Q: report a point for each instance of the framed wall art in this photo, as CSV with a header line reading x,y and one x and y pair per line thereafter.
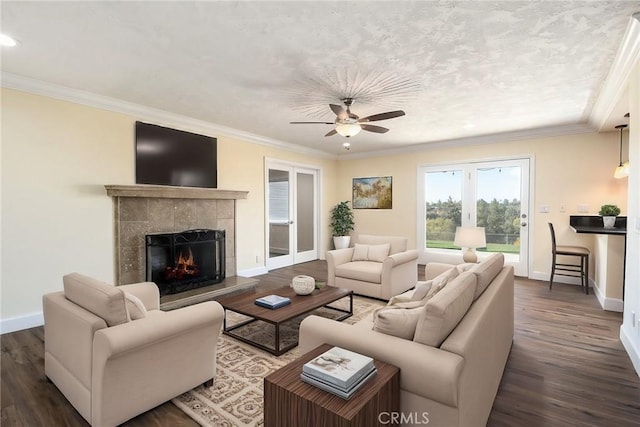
x,y
372,193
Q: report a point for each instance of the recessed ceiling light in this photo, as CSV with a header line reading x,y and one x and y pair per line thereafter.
x,y
5,40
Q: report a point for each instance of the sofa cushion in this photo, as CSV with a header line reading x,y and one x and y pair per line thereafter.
x,y
397,243
104,300
443,312
421,290
135,307
396,321
378,253
360,252
365,271
486,271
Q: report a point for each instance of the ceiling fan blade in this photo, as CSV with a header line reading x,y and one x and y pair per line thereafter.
x,y
374,128
332,132
382,116
340,112
311,123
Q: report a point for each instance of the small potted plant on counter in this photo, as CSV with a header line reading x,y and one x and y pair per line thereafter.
x,y
609,214
341,224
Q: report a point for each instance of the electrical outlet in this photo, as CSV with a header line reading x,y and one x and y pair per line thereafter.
x,y
543,209
257,259
583,208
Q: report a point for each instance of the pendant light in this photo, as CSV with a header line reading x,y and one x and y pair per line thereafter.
x,y
622,170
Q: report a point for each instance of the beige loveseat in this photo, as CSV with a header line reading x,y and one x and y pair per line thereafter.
x,y
453,383
376,266
114,354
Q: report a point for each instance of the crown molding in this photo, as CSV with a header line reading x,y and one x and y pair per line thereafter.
x,y
616,82
141,112
518,135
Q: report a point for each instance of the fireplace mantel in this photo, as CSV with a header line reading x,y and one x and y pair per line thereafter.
x,y
168,192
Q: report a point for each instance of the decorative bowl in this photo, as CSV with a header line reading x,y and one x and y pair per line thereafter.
x,y
303,285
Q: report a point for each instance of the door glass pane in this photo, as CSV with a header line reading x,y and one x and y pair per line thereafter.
x,y
304,210
278,213
443,195
498,207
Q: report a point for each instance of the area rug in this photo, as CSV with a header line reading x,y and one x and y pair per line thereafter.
x,y
235,399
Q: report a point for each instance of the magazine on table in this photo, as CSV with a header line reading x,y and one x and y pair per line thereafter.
x,y
340,367
272,301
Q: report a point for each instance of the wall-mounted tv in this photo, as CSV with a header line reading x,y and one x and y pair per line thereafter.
x,y
167,156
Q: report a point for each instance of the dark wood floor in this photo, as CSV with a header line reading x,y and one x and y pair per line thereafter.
x,y
567,367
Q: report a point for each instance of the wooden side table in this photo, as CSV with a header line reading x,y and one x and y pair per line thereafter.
x,y
288,401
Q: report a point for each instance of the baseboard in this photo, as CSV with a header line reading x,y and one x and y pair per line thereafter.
x,y
19,323
250,272
539,275
609,304
632,350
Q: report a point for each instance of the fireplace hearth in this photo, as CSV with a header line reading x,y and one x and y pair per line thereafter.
x,y
186,260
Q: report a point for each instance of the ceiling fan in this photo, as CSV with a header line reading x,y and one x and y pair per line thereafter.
x,y
349,124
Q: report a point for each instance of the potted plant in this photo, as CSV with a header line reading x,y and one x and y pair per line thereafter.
x,y
609,214
341,224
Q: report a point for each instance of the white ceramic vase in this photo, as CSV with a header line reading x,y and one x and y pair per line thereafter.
x,y
341,242
609,221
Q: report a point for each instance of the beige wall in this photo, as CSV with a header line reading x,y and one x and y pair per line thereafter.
x,y
56,217
568,170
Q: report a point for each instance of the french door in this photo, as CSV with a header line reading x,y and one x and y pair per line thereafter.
x,y
292,214
489,194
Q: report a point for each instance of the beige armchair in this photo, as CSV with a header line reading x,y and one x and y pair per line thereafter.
x,y
114,354
367,269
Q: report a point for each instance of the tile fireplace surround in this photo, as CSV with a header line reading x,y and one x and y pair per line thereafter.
x,y
143,209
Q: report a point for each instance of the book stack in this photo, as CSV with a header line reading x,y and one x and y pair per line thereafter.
x,y
339,371
272,301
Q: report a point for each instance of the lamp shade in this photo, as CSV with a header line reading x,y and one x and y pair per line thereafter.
x,y
470,237
348,129
622,171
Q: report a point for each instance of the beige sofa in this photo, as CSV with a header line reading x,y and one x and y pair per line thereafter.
x,y
454,383
114,354
367,269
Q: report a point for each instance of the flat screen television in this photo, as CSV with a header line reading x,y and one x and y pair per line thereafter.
x,y
167,156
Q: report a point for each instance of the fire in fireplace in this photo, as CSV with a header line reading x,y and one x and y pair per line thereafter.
x,y
178,262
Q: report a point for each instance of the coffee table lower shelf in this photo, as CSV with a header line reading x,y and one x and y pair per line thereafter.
x,y
288,401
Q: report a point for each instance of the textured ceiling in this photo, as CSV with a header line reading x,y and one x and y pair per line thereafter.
x,y
457,69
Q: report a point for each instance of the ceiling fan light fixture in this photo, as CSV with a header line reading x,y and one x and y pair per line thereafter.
x,y
348,129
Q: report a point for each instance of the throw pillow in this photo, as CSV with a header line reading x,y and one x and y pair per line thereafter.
x,y
421,290
378,253
360,252
399,322
135,307
445,310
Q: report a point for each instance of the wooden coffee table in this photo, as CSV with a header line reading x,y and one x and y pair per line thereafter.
x,y
288,401
300,304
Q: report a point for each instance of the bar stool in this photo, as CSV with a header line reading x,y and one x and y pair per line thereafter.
x,y
571,270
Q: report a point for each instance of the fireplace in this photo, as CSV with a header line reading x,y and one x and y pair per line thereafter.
x,y
186,260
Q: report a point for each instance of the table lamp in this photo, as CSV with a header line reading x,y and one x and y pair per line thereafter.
x,y
470,238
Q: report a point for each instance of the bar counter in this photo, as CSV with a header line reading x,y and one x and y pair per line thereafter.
x,y
609,257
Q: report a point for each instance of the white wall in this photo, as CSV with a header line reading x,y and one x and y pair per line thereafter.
x,y
56,217
630,330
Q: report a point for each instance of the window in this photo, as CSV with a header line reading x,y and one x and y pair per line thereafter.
x,y
489,194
